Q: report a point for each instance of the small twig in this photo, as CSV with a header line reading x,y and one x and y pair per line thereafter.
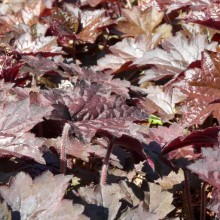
x,y
65,136
203,202
189,211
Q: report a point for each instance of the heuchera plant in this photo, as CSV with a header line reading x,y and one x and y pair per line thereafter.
x,y
109,109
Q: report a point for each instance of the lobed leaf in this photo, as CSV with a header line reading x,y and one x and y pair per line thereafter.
x,y
36,199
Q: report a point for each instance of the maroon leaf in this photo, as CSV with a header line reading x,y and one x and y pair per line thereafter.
x,y
203,88
207,15
128,142
172,5
87,129
11,71
207,137
92,107
62,22
38,199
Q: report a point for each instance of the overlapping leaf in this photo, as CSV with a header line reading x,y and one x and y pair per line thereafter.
x,y
37,199
40,65
26,45
21,115
207,15
165,100
118,86
93,22
203,88
142,22
207,137
92,107
86,111
127,51
22,145
172,5
177,54
151,206
11,71
164,135
20,12
207,167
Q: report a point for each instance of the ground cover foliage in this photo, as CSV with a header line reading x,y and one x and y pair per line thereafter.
x,y
109,109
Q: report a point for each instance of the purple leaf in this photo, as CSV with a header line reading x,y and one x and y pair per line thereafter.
x,y
207,168
40,65
163,135
38,199
177,54
21,116
21,145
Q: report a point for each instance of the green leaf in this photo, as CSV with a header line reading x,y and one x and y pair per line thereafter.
x,y
155,120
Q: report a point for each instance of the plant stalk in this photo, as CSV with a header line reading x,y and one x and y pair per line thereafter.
x,y
104,170
65,136
188,201
203,202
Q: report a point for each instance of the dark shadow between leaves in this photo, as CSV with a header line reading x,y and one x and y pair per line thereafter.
x,y
48,129
16,215
96,212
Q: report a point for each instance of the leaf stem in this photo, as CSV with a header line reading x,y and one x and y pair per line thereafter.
x,y
64,139
189,211
104,170
203,202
